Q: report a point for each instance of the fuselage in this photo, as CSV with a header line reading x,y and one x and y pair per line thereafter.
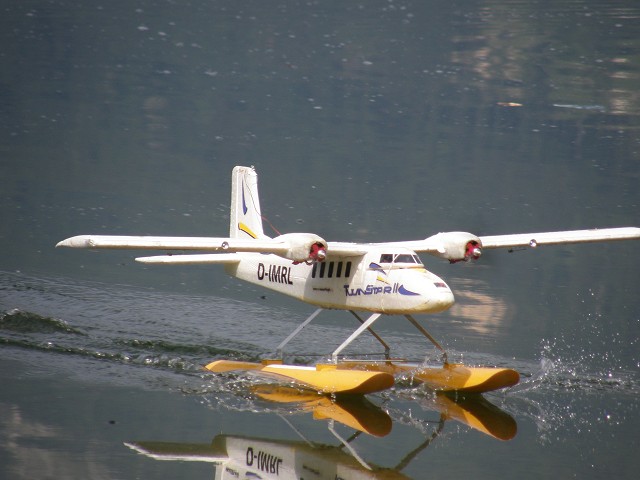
x,y
389,280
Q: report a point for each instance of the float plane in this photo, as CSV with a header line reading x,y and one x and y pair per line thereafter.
x,y
378,278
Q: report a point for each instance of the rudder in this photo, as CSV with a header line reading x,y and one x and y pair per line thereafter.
x,y
246,216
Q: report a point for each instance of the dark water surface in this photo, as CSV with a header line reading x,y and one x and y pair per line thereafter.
x,y
371,121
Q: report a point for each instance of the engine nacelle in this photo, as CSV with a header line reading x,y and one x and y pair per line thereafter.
x,y
456,246
304,247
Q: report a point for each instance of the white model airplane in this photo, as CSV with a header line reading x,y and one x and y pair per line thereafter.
x,y
380,278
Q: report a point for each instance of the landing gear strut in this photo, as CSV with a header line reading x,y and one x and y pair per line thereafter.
x,y
365,325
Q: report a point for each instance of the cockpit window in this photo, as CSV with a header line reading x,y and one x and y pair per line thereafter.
x,y
404,258
400,258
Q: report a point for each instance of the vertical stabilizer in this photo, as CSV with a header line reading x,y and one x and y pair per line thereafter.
x,y
246,216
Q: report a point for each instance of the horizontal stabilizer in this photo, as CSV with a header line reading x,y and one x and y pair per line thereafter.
x,y
207,258
191,452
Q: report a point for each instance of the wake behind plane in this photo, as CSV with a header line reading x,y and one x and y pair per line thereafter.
x,y
386,278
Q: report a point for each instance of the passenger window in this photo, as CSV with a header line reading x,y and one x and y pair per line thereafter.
x,y
333,268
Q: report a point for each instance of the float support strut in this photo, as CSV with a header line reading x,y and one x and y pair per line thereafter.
x,y
428,335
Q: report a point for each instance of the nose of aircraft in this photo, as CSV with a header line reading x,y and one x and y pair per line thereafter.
x,y
418,291
440,297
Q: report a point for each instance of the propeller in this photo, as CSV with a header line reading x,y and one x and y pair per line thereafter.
x,y
318,252
473,250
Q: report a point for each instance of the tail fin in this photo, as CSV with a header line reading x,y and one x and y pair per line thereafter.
x,y
246,216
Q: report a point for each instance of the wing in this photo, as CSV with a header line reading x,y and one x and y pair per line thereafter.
x,y
454,246
555,238
459,246
299,247
229,245
347,249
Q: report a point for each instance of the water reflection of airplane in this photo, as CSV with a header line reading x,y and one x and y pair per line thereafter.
x,y
240,457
